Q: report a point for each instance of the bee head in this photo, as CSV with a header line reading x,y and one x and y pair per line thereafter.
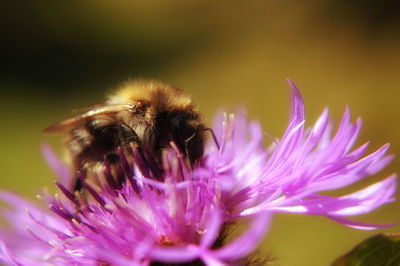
x,y
188,132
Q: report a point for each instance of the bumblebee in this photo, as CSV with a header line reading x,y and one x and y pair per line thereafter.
x,y
147,113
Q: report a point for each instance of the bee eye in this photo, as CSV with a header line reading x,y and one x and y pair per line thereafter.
x,y
182,125
179,124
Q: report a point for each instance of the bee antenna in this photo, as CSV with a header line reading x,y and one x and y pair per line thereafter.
x,y
213,135
189,138
187,149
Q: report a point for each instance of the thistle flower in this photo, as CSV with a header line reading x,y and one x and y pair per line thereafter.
x,y
180,217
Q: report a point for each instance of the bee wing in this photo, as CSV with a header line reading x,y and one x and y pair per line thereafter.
x,y
103,110
85,109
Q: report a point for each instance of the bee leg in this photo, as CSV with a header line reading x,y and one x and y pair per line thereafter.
x,y
78,185
129,135
213,135
79,167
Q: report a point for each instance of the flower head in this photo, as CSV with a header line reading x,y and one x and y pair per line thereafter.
x,y
176,214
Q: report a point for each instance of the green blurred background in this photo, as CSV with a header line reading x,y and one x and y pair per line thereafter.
x,y
58,56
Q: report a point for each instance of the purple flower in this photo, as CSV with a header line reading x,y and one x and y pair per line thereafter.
x,y
179,216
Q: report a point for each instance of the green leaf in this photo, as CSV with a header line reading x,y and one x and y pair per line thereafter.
x,y
382,249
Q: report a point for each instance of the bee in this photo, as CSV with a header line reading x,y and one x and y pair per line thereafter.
x,y
149,114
